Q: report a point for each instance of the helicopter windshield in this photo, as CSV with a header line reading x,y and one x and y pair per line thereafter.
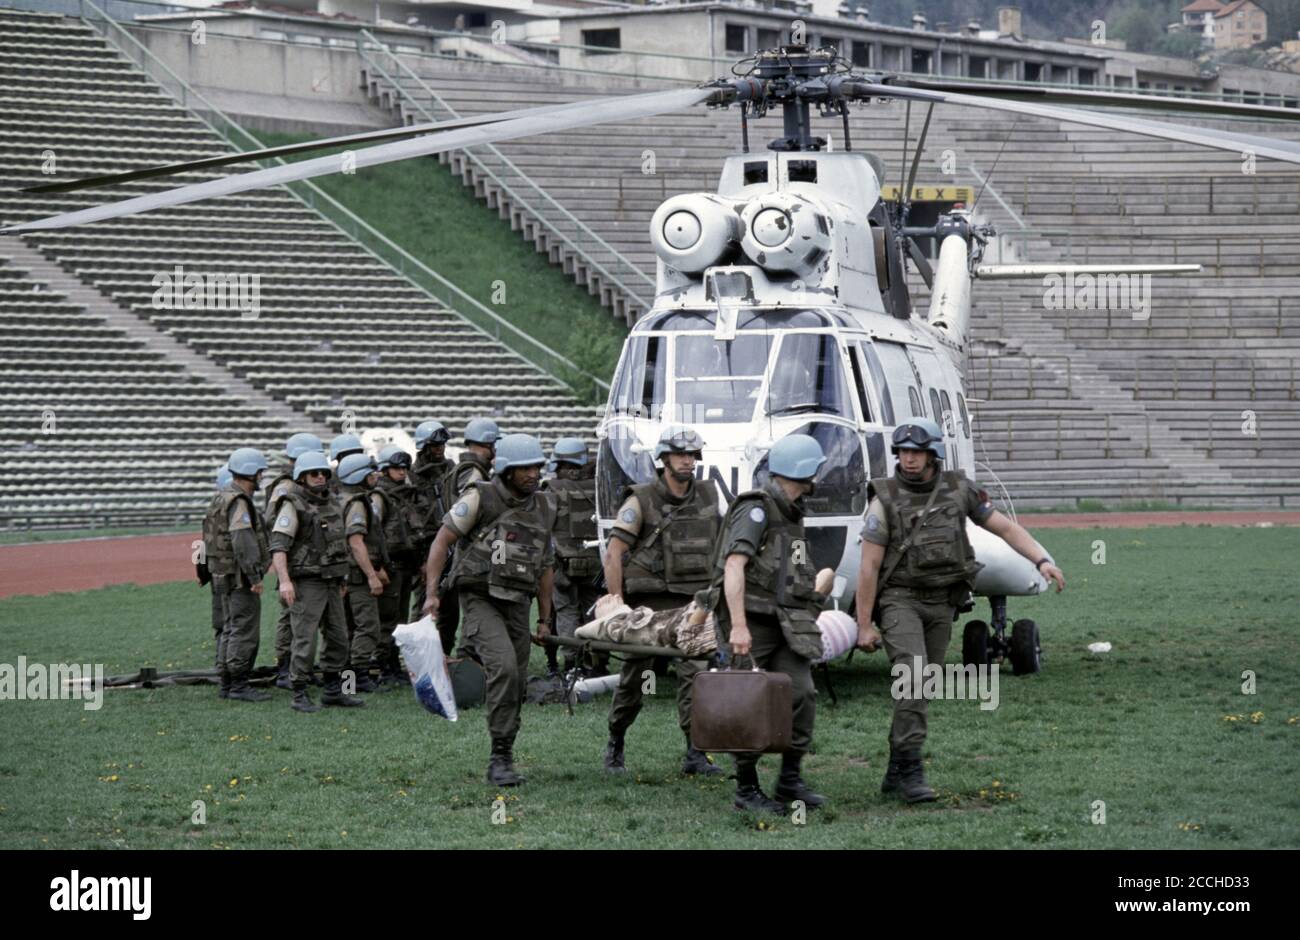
x,y
807,377
719,380
723,380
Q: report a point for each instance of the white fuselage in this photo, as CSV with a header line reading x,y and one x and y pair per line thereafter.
x,y
769,320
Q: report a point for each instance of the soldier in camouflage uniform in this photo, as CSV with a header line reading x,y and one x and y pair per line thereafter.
x,y
574,491
658,557
296,446
205,577
236,552
915,530
767,606
429,470
474,466
310,554
404,517
504,558
365,512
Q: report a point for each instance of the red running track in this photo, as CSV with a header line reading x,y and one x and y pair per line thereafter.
x,y
47,567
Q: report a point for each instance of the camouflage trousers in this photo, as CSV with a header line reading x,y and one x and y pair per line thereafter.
x,y
913,624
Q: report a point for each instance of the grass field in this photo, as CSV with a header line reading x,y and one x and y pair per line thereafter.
x,y
1145,728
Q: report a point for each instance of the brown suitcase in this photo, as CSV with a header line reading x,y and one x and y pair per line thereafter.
x,y
740,710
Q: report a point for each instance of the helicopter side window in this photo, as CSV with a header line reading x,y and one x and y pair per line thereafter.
x,y
878,379
808,377
900,379
965,418
936,411
719,380
860,383
643,377
948,414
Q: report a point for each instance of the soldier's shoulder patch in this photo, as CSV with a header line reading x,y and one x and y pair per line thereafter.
x,y
757,515
461,509
282,521
873,523
244,517
629,515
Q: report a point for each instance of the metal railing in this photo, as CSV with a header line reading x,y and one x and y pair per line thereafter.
x,y
515,185
374,242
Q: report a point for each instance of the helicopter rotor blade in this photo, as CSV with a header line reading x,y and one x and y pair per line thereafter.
x,y
1055,95
229,159
916,159
531,123
1284,150
919,259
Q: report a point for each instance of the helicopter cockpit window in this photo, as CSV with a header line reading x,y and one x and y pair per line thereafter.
x,y
807,377
717,380
642,382
782,320
841,483
878,379
755,172
621,464
678,320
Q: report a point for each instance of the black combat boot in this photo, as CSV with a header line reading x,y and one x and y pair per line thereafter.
x,y
363,680
748,794
223,689
334,694
501,766
388,670
614,753
697,763
301,699
241,691
790,786
282,680
911,783
893,776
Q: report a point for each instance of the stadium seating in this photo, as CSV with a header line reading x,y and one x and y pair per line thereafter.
x,y
339,335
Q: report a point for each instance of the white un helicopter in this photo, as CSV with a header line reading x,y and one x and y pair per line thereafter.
x,y
781,301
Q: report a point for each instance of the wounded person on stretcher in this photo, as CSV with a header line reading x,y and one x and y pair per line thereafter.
x,y
691,628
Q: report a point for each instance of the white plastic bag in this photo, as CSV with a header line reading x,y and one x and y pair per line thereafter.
x,y
422,650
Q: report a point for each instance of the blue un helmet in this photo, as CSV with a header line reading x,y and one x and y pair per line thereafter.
x,y
568,450
300,443
518,450
430,432
310,460
796,457
919,434
224,476
246,462
484,431
394,456
343,445
680,439
354,468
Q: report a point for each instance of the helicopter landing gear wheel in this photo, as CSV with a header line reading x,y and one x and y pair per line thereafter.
x,y
1026,652
975,644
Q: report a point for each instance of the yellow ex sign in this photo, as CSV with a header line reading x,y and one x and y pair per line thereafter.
x,y
932,194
